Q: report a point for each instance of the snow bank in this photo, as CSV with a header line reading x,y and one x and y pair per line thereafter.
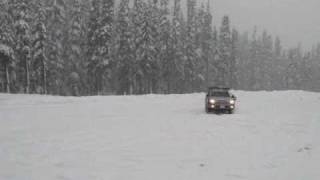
x,y
273,135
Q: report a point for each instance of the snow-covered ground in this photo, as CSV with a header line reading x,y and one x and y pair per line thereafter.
x,y
272,136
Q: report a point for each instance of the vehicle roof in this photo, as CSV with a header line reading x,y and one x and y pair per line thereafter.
x,y
218,88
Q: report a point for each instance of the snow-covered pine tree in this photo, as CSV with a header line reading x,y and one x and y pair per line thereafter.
x,y
92,44
293,76
6,25
175,69
215,38
266,61
206,39
241,55
190,48
56,32
147,48
6,47
103,63
261,57
253,63
199,23
164,47
125,53
225,47
277,47
136,19
75,35
99,43
200,62
234,59
278,70
214,61
23,41
74,48
39,50
306,72
315,62
6,58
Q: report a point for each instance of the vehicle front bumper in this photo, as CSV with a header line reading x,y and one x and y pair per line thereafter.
x,y
221,106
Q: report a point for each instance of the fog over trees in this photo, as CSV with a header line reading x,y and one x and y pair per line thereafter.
x,y
80,47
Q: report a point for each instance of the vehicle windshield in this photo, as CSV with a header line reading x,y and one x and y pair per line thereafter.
x,y
219,93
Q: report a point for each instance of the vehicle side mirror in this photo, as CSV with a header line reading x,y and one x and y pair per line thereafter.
x,y
234,97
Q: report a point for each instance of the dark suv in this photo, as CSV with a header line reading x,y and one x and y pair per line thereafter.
x,y
219,99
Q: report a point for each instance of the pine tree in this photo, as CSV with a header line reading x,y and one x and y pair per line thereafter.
x,y
147,49
7,60
225,47
267,58
6,25
315,66
293,76
75,35
190,47
277,47
164,47
125,54
105,34
175,70
214,60
234,58
206,40
39,54
199,24
100,41
105,29
243,60
93,44
56,26
200,60
137,19
23,40
6,57
74,50
254,58
215,38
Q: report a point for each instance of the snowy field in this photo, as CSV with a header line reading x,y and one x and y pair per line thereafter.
x,y
272,136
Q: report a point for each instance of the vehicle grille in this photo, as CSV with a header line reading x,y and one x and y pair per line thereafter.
x,y
223,102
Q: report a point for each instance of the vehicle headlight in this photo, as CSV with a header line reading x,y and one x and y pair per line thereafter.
x,y
232,101
212,101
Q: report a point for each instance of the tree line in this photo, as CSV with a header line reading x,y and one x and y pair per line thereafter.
x,y
79,47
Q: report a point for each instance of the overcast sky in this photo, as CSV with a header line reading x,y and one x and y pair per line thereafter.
x,y
292,20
